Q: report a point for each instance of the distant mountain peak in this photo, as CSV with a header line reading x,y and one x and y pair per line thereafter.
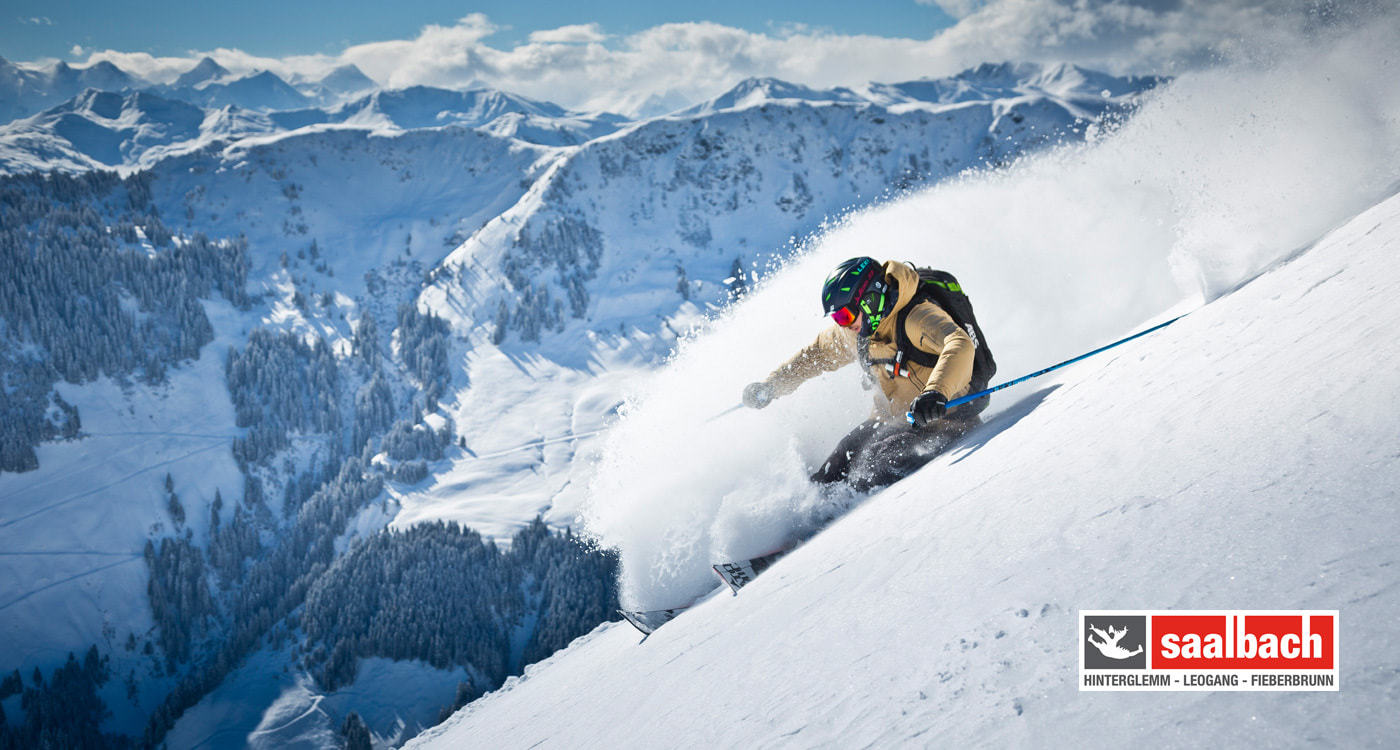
x,y
205,70
758,90
348,78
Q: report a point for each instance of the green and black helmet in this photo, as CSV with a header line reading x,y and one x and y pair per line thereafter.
x,y
857,286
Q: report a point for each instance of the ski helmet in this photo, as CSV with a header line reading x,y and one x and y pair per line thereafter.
x,y
856,286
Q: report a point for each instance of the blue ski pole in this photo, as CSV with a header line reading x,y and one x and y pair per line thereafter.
x,y
974,396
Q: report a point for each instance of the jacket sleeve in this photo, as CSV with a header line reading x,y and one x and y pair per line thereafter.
x,y
932,330
832,350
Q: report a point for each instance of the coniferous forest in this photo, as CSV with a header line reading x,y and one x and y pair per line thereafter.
x,y
97,285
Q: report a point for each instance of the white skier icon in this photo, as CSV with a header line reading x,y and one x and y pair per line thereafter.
x,y
1108,643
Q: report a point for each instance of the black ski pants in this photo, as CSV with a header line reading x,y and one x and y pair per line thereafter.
x,y
876,453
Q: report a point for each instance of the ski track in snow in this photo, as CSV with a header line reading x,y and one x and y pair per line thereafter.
x,y
88,493
108,457
70,553
69,579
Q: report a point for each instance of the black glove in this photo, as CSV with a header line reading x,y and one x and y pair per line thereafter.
x,y
929,406
758,395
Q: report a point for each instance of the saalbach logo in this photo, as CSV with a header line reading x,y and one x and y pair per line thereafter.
x,y
1209,650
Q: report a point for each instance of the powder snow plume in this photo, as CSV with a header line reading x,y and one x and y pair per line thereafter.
x,y
1219,176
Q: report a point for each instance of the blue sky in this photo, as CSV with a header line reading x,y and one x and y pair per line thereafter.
x,y
37,29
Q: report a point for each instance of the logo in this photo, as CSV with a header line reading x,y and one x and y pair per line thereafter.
x,y
972,334
1115,642
1208,650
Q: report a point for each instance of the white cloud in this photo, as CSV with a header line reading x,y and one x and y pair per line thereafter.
x,y
956,8
37,21
680,63
77,51
575,34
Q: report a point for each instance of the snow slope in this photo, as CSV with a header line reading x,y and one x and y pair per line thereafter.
x,y
72,531
1245,457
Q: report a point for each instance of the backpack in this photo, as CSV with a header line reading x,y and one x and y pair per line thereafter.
x,y
942,289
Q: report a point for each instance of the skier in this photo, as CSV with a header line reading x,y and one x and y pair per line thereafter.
x,y
933,359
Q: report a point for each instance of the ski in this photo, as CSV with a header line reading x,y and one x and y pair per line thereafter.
x,y
739,573
648,621
734,575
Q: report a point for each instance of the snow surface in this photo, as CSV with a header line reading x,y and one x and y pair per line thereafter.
x,y
292,712
1245,457
72,531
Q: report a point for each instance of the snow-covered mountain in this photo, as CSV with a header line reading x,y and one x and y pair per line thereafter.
x,y
341,84
756,91
1066,83
100,130
205,71
262,103
105,130
262,91
25,90
427,107
1007,79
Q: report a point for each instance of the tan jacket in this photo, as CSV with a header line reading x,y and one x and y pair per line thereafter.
x,y
928,328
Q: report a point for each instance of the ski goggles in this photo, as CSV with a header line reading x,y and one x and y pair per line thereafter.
x,y
843,316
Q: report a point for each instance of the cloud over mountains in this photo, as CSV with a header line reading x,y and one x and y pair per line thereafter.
x,y
674,64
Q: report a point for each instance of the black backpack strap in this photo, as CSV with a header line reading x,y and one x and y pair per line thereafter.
x,y
904,348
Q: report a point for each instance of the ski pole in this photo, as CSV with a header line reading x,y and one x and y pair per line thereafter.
x,y
731,409
539,444
974,396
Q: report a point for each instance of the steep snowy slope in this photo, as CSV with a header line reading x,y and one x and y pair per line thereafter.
x,y
1246,457
368,200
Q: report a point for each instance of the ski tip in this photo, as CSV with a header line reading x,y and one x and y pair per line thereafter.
x,y
733,590
648,621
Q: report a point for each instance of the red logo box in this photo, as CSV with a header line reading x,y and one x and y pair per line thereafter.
x,y
1243,641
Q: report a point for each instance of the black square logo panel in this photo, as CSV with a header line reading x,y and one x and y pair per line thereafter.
x,y
1115,642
